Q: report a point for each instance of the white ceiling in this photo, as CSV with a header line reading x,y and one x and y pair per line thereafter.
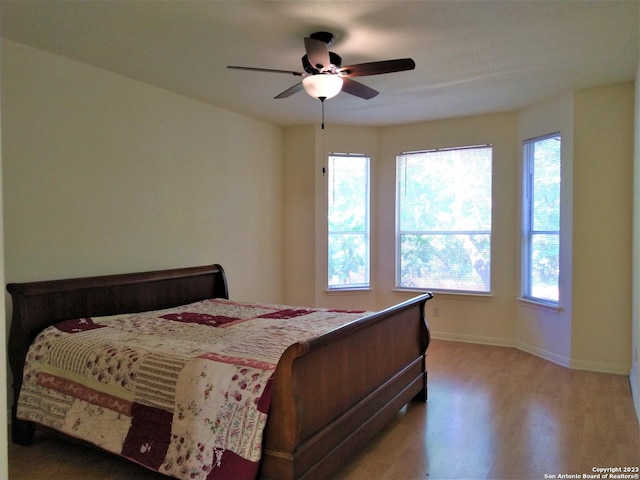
x,y
472,57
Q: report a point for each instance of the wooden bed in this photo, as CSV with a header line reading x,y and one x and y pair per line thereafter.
x,y
330,394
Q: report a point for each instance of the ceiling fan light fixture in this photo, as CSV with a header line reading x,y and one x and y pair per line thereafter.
x,y
322,86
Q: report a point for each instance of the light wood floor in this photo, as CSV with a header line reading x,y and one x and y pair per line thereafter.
x,y
493,413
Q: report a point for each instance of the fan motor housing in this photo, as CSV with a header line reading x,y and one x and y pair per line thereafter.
x,y
326,37
336,61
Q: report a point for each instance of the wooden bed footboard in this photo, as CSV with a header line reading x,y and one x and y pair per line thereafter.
x,y
334,392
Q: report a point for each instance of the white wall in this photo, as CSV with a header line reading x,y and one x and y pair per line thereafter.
x,y
103,175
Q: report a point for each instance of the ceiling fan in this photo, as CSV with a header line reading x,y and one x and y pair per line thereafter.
x,y
324,76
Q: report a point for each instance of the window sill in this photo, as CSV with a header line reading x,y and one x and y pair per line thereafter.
x,y
349,291
548,307
447,294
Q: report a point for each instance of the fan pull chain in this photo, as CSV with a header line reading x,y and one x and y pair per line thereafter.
x,y
322,99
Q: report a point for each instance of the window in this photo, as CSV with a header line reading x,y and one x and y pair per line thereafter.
x,y
541,219
444,219
348,213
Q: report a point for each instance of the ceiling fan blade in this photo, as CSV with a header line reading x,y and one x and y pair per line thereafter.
x,y
376,68
290,91
317,53
271,70
358,89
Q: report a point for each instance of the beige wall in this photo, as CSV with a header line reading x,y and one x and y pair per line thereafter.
x,y
592,328
4,434
635,294
103,174
546,332
602,230
299,223
305,211
471,318
342,139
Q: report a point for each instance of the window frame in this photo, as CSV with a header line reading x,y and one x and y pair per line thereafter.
x,y
366,232
528,214
400,232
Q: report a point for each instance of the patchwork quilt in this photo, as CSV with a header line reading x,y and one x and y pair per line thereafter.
x,y
183,391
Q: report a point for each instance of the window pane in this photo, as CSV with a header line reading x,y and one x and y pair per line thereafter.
x,y
546,185
444,219
447,262
448,190
348,260
348,193
348,221
545,269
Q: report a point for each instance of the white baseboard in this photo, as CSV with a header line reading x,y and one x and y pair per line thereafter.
x,y
635,390
540,352
601,367
457,337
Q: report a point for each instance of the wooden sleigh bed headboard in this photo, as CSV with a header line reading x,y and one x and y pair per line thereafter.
x,y
331,394
37,305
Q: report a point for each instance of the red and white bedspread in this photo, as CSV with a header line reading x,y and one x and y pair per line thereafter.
x,y
183,391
